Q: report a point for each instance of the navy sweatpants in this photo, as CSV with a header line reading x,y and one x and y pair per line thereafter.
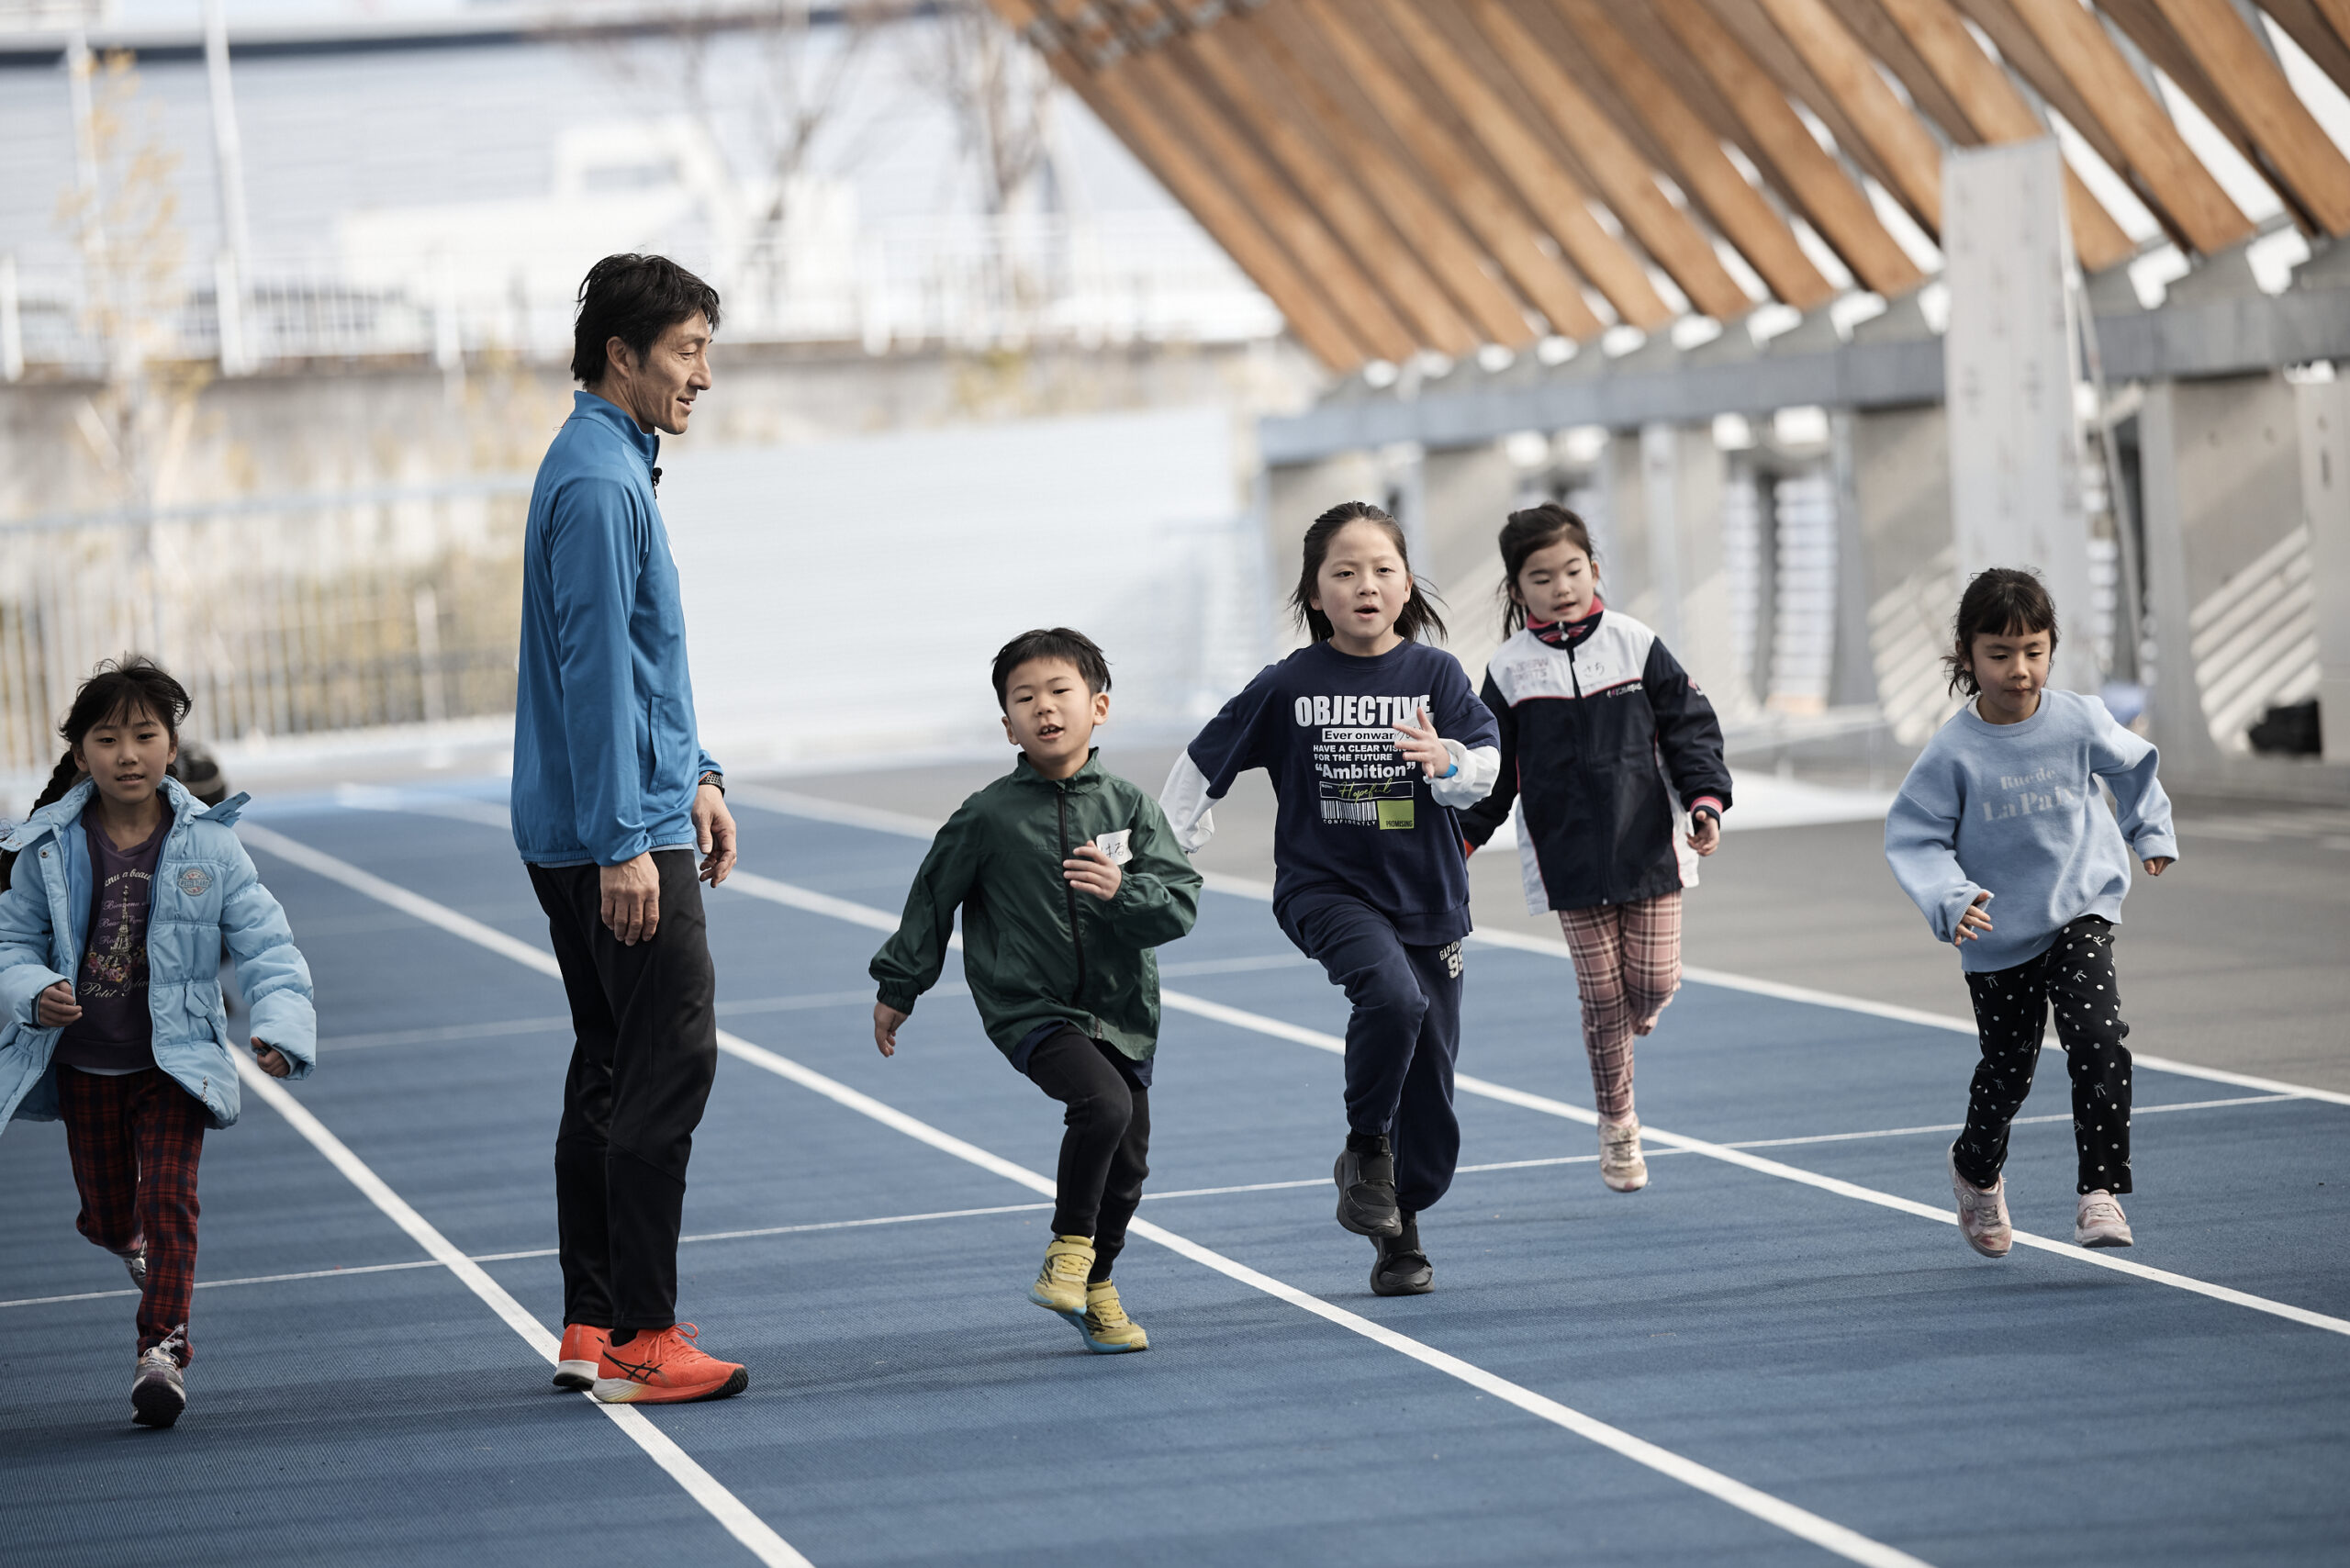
x,y
1403,1038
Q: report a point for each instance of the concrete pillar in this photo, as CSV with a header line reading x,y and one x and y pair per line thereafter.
x,y
1853,678
1906,577
1666,565
1466,494
2227,557
2009,360
2324,429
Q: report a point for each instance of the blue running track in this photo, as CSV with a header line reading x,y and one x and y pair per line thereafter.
x,y
1780,1352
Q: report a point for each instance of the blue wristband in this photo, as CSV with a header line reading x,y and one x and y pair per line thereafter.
x,y
1450,771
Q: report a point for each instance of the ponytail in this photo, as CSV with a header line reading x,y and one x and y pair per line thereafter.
x,y
67,772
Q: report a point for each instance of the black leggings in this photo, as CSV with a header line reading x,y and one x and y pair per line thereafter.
x,y
1104,1154
2012,1011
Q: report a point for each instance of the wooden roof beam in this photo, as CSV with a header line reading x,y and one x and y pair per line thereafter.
x,y
1158,77
1699,164
2305,23
2000,113
1250,83
1169,156
2096,89
1903,146
1837,206
2296,150
1297,53
1548,190
1624,177
1504,229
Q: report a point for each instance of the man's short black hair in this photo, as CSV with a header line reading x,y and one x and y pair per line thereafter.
x,y
635,300
1051,643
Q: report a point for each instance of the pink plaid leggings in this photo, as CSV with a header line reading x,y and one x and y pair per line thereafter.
x,y
1628,965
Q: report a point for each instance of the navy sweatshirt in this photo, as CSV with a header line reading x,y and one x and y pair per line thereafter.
x,y
1357,817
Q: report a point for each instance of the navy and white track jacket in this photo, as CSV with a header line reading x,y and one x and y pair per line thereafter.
x,y
1606,744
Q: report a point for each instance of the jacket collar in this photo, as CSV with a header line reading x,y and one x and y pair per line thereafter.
x,y
1025,772
61,815
646,444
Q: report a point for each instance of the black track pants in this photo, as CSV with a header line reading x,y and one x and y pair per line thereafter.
x,y
1401,1040
641,1071
2012,1006
1106,1152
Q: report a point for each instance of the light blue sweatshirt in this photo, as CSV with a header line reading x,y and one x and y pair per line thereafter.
x,y
606,755
2014,808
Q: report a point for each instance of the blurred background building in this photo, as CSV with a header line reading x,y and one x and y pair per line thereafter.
x,y
1080,311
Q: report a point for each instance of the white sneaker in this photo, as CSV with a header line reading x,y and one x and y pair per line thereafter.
x,y
1982,1214
134,1264
159,1391
2099,1222
1621,1165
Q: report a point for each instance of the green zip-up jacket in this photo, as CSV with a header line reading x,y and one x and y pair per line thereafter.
x,y
1035,950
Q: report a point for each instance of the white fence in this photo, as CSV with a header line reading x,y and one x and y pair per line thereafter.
x,y
967,283
282,618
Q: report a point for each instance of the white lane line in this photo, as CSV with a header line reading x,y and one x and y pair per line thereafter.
x,y
1183,1001
732,1513
1777,1512
560,1023
787,803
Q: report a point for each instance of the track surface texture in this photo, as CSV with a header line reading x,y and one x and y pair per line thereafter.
x,y
1779,1352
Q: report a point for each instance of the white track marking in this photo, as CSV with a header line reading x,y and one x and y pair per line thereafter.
x,y
729,1510
1800,1522
1240,1018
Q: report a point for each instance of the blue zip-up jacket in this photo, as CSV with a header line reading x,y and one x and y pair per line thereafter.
x,y
206,891
606,756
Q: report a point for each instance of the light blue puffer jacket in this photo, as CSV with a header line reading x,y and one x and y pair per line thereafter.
x,y
206,891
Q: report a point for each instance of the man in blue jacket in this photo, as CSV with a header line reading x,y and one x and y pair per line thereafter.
x,y
613,797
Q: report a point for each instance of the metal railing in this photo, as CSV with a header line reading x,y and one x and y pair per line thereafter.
x,y
963,283
282,618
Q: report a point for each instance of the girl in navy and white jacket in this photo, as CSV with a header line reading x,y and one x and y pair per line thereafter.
x,y
1372,741
1613,759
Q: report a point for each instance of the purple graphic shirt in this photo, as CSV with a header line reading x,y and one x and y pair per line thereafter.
x,y
116,1032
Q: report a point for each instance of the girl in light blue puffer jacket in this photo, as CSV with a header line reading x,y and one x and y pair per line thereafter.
x,y
119,892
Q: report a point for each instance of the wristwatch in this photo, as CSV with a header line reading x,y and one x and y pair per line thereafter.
x,y
715,779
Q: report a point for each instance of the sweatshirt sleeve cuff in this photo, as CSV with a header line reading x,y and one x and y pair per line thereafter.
x,y
1706,804
896,999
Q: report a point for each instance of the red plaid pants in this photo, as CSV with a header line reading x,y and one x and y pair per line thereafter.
x,y
1628,965
136,1140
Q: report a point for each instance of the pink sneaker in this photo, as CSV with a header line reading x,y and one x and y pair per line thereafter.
x,y
2097,1221
1982,1213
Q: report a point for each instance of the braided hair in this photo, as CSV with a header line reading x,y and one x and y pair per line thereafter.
x,y
117,690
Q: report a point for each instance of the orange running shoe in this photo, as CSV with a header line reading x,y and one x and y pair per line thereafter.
x,y
583,1347
663,1366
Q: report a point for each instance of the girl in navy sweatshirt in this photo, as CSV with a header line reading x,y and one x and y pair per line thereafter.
x,y
1372,741
1614,760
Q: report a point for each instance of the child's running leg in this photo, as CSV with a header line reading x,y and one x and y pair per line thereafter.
x,y
167,1130
2010,1017
1122,1186
1651,932
96,1113
1359,950
1427,1138
2086,1000
1596,942
1100,1110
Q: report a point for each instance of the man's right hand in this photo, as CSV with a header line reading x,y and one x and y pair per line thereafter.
x,y
631,899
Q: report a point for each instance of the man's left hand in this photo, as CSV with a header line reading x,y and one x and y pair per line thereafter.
x,y
714,833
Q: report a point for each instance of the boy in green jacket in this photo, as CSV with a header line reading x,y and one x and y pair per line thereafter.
x,y
1067,877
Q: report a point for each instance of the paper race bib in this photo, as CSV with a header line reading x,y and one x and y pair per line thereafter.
x,y
1113,845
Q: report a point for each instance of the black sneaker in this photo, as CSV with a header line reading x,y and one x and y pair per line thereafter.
x,y
1401,1269
1366,1179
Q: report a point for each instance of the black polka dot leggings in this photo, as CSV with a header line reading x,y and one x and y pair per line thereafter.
x,y
2011,1007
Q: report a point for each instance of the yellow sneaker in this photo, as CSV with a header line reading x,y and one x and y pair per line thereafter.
x,y
1060,1287
1107,1329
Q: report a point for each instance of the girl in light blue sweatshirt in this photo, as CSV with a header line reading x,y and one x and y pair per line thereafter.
x,y
2005,802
